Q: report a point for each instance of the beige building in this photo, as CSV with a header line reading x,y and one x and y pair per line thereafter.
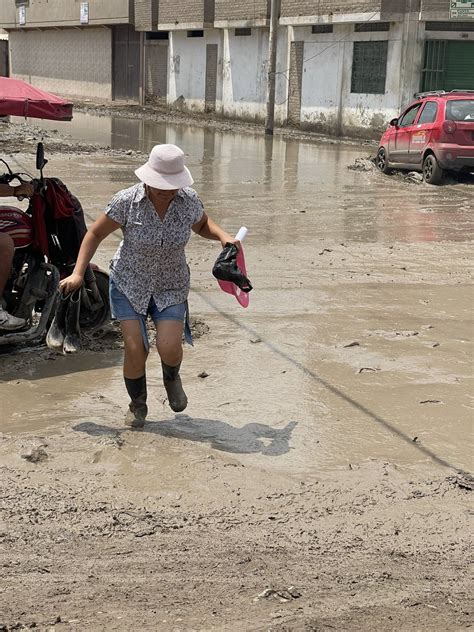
x,y
87,49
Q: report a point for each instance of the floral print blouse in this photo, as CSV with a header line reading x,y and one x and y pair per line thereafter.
x,y
150,261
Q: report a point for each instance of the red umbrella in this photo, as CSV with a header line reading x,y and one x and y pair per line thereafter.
x,y
18,98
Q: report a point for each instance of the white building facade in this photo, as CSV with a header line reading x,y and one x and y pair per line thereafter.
x,y
344,67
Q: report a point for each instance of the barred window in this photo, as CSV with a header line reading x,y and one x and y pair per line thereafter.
x,y
449,26
322,28
369,67
157,35
242,32
370,27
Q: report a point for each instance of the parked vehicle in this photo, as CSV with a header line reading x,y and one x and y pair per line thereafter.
x,y
434,134
47,237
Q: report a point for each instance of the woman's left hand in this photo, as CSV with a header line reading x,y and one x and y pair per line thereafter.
x,y
231,240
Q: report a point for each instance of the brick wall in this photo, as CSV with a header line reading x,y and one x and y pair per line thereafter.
x,y
435,5
186,11
146,15
211,78
295,83
67,61
296,8
434,9
387,8
242,9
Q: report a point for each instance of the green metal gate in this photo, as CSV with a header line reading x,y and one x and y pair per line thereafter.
x,y
448,65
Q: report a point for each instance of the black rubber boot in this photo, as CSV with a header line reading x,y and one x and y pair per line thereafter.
x,y
176,396
57,331
138,410
72,339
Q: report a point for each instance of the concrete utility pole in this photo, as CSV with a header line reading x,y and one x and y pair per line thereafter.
x,y
271,78
142,87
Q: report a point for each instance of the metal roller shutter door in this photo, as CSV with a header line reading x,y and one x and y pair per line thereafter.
x,y
459,66
448,66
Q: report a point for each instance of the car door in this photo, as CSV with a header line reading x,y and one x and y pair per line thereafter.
x,y
422,131
401,150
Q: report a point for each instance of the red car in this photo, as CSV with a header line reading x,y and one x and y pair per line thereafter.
x,y
433,134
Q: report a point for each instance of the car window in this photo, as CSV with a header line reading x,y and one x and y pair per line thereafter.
x,y
429,113
409,117
460,110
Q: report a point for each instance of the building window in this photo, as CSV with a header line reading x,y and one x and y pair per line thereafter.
x,y
242,32
322,28
369,67
449,26
157,35
429,113
370,27
195,33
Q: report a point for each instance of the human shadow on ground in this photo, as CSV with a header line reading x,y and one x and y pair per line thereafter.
x,y
252,438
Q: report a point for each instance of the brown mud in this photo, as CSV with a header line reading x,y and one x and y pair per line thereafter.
x,y
319,478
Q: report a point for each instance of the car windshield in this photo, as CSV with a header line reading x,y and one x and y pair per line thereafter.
x,y
460,110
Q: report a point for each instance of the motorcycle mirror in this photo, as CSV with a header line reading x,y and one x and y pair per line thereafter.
x,y
7,166
40,160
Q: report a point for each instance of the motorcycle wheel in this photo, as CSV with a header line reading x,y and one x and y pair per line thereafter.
x,y
91,321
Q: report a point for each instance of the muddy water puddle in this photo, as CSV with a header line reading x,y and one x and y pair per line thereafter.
x,y
357,344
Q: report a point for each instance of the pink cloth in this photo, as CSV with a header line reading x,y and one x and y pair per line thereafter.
x,y
229,287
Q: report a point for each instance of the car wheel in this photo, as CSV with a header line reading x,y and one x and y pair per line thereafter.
x,y
432,172
382,161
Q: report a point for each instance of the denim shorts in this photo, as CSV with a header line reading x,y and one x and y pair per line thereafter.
x,y
122,309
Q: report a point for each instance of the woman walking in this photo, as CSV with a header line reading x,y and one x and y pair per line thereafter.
x,y
149,275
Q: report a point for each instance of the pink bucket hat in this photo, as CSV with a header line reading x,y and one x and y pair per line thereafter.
x,y
165,169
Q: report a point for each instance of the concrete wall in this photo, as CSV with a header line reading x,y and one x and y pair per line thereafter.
x,y
67,61
327,104
56,13
7,14
244,74
241,73
187,69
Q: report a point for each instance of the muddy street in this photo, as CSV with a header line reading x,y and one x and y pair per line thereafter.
x,y
320,476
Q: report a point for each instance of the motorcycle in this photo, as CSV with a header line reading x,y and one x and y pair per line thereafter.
x,y
47,237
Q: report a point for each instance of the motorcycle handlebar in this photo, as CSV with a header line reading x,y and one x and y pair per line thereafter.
x,y
7,178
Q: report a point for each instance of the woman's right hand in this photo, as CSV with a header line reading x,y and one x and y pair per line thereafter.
x,y
71,283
